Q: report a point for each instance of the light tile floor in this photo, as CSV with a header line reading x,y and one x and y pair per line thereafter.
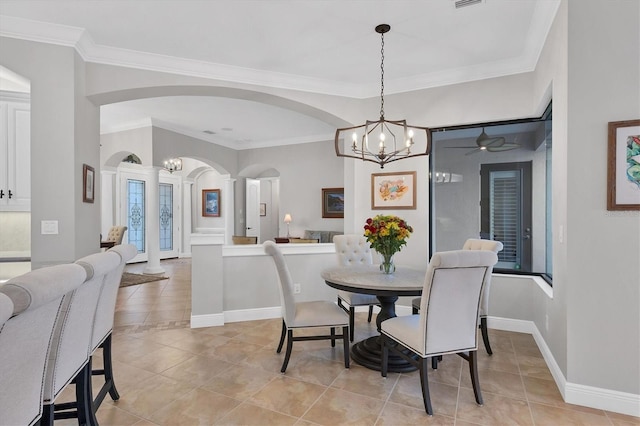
x,y
170,374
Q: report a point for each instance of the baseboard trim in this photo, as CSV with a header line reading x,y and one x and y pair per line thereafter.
x,y
572,393
604,399
252,314
207,320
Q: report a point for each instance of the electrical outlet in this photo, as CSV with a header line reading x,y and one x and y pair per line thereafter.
x,y
296,288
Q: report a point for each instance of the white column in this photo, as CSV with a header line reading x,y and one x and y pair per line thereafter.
x,y
153,223
187,188
228,208
107,200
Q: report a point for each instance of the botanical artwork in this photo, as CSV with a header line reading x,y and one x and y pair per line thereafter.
x,y
624,165
633,160
395,190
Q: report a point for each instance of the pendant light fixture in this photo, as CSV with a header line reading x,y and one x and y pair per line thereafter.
x,y
383,141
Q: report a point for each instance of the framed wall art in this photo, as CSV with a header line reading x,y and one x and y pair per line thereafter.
x,y
263,209
333,203
211,202
88,183
623,177
393,191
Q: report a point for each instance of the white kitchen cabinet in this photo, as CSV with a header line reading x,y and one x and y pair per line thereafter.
x,y
15,152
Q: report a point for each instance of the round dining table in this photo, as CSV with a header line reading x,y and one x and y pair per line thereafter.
x,y
387,288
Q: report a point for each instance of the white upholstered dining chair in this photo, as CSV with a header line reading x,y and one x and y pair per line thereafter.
x,y
305,315
354,250
448,317
35,300
475,244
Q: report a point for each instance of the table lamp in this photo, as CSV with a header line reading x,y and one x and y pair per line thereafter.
x,y
287,220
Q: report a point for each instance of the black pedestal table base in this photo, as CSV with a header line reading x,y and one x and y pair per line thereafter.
x,y
368,352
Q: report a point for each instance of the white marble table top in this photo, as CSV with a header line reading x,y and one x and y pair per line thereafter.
x,y
368,279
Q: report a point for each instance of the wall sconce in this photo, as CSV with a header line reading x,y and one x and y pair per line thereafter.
x,y
287,220
173,165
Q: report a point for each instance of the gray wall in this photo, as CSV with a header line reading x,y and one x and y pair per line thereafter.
x,y
64,135
603,248
304,170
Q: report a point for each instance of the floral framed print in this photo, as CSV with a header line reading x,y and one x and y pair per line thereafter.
x,y
263,209
88,183
623,174
393,191
333,203
211,202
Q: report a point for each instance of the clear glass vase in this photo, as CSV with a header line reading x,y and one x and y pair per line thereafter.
x,y
387,266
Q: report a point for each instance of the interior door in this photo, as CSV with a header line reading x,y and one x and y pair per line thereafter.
x,y
252,208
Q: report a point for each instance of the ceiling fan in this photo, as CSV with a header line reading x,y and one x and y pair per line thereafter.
x,y
485,142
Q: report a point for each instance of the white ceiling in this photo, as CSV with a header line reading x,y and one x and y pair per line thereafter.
x,y
322,46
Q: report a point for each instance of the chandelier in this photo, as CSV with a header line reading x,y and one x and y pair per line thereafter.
x,y
392,140
173,165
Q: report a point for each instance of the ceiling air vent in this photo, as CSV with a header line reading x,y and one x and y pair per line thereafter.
x,y
463,3
209,132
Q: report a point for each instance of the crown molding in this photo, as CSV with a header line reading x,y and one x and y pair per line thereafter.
x,y
79,39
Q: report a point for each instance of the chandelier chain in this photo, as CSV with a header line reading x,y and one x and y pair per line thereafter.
x,y
382,76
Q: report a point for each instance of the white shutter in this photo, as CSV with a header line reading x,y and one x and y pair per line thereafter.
x,y
504,201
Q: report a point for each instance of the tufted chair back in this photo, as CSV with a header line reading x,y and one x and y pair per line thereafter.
x,y
352,250
490,245
116,233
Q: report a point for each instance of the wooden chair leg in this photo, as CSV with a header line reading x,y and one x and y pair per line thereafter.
x,y
352,316
288,354
473,370
108,369
370,315
424,382
485,335
282,335
333,337
345,342
47,415
86,416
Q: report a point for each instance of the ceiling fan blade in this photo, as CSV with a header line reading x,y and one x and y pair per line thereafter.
x,y
485,140
473,151
504,147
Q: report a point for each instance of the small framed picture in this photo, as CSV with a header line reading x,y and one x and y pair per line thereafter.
x,y
263,209
88,183
211,202
333,203
623,177
393,191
